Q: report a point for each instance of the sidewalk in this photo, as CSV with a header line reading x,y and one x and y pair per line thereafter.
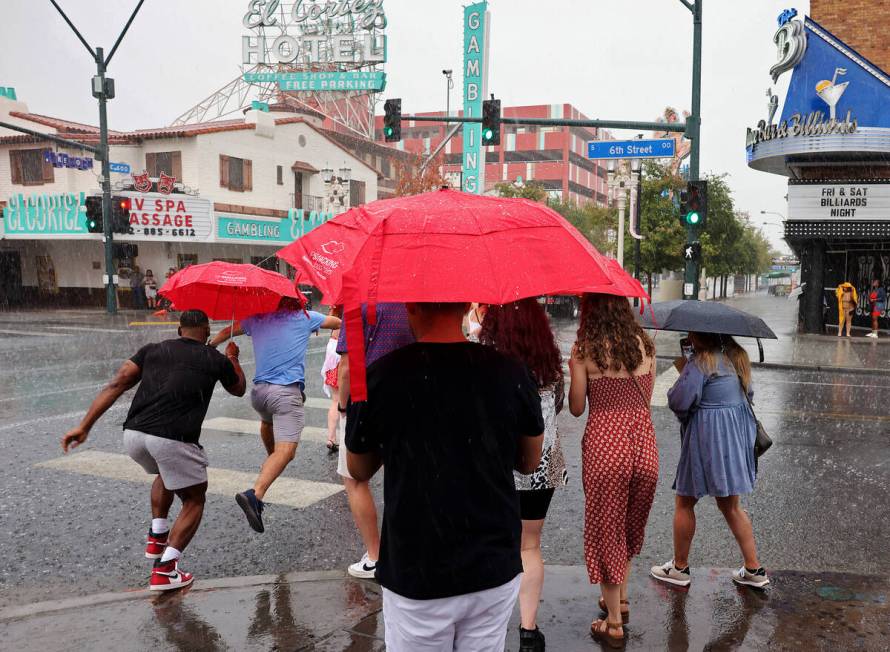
x,y
327,611
793,349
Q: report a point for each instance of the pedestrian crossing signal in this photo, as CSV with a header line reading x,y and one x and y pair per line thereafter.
x,y
392,120
94,215
692,251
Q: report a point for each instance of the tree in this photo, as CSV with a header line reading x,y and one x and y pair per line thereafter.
x,y
592,221
413,181
663,235
533,190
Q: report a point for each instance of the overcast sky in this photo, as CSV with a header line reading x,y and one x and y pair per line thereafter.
x,y
613,60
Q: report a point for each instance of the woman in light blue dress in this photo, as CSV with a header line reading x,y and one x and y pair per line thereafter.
x,y
716,452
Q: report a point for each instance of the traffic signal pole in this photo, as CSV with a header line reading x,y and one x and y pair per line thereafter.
x,y
101,88
108,236
691,277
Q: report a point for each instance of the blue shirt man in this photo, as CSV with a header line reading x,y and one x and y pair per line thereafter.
x,y
280,340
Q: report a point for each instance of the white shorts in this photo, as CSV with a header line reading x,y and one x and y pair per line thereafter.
x,y
342,469
473,622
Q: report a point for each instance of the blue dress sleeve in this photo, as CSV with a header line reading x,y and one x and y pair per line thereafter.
x,y
686,393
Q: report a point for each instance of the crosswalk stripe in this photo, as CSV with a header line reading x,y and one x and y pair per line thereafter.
x,y
315,402
663,383
30,333
252,427
90,329
292,492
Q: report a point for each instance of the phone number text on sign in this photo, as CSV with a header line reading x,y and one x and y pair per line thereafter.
x,y
168,218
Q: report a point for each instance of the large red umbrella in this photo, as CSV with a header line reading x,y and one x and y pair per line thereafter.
x,y
228,290
447,246
443,246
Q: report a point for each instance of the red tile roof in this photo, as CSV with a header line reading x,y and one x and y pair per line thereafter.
x,y
90,134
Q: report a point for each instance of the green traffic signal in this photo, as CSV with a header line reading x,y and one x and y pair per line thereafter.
x,y
487,135
692,218
387,131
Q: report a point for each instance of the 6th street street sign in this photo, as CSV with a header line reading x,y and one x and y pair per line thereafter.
x,y
651,148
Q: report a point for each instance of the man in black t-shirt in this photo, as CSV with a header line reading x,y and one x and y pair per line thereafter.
x,y
176,380
449,420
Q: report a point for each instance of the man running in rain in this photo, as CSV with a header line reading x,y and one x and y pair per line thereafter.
x,y
280,340
176,380
450,420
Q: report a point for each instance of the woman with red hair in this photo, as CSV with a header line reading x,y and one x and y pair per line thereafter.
x,y
522,330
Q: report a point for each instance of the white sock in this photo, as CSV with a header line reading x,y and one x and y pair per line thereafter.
x,y
170,553
159,525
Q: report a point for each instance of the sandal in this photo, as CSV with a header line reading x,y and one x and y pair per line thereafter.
x,y
625,609
604,634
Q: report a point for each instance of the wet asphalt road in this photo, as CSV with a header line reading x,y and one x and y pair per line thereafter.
x,y
821,502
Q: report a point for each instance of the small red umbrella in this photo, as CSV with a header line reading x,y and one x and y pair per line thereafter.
x,y
228,290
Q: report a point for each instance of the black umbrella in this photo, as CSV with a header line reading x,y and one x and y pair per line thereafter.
x,y
705,317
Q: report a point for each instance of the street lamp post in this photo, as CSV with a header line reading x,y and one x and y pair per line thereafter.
x,y
620,178
449,84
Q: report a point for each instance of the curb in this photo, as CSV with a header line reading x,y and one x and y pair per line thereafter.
x,y
64,604
786,366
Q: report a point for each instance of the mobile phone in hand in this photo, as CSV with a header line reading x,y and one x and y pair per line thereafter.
x,y
686,348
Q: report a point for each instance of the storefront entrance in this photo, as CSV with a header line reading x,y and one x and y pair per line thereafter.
x,y
858,264
10,279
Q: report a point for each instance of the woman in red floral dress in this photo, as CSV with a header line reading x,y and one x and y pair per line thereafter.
x,y
612,368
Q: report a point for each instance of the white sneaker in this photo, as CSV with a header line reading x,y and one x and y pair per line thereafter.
x,y
757,579
671,574
871,334
364,568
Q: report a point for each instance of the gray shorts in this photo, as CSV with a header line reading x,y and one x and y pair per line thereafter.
x,y
180,464
282,406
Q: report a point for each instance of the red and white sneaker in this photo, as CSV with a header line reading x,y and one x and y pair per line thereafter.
x,y
166,576
155,545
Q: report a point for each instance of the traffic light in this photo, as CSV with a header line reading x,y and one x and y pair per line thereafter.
x,y
120,214
94,215
491,122
692,251
695,210
392,120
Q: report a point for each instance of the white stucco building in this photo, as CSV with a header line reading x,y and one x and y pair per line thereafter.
x,y
243,189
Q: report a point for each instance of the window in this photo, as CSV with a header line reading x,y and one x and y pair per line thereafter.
x,y
170,163
356,192
269,262
279,171
29,167
235,173
234,261
186,260
385,166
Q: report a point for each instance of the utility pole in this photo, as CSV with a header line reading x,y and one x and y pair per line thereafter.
x,y
693,132
103,90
